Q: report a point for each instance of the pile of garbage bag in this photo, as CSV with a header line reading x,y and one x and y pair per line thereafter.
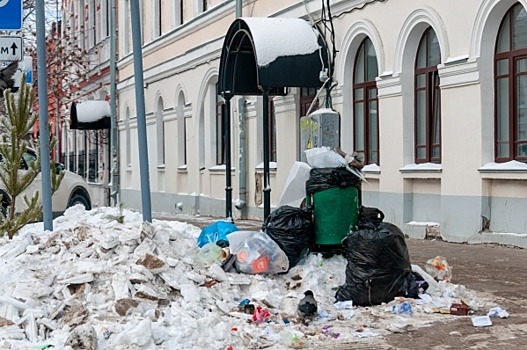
x,y
291,229
378,268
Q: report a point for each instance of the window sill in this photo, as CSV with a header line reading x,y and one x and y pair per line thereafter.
x,y
422,171
182,168
161,168
371,171
512,170
129,168
272,166
219,168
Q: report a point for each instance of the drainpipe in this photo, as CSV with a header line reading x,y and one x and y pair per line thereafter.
x,y
241,203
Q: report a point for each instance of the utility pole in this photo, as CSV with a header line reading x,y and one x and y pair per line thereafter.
x,y
140,108
114,160
43,115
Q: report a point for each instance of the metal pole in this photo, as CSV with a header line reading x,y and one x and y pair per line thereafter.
x,y
228,180
58,139
43,115
267,186
239,8
140,107
114,160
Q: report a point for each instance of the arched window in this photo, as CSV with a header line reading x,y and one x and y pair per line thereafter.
x,y
181,130
128,145
427,100
510,74
160,133
220,130
365,106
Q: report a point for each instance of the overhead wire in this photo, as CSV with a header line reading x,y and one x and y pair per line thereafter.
x,y
328,29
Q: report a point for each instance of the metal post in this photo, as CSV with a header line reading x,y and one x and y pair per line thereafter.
x,y
114,159
227,135
239,8
140,107
266,184
56,98
43,115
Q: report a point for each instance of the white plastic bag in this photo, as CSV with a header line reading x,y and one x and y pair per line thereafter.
x,y
324,157
295,186
257,253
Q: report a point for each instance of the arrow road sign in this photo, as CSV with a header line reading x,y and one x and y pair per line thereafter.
x,y
11,48
10,14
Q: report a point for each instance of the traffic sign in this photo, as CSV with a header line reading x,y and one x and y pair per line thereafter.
x,y
11,48
11,12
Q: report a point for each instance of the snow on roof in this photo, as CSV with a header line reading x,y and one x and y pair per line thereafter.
x,y
271,43
92,110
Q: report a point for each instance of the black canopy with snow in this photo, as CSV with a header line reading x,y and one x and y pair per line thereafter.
x,y
264,56
90,115
271,53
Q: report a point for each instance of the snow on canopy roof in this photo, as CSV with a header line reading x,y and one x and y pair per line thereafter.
x,y
271,43
90,115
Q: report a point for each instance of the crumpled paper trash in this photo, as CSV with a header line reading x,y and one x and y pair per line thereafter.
x,y
498,312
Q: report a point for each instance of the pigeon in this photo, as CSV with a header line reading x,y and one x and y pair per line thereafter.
x,y
6,77
307,307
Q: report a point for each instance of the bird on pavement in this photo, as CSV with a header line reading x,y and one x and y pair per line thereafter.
x,y
307,307
6,77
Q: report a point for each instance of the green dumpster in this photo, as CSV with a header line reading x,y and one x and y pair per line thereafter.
x,y
335,195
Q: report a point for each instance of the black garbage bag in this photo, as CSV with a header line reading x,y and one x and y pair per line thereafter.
x,y
321,179
291,229
378,266
369,217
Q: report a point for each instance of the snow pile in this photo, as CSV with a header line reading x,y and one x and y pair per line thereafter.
x,y
103,279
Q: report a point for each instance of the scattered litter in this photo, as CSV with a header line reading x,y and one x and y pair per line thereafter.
x,y
439,269
498,312
209,254
260,315
481,321
141,285
328,332
398,328
402,308
257,253
346,308
216,233
459,309
366,333
292,339
344,305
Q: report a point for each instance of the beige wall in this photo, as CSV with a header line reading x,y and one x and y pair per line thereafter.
x,y
187,58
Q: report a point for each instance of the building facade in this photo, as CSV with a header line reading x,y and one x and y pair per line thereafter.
x,y
433,94
84,62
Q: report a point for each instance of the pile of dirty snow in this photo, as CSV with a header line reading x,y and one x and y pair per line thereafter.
x,y
104,279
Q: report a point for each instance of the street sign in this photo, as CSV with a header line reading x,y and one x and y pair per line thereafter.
x,y
11,14
11,48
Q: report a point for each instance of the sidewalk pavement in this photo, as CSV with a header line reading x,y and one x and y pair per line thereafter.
x,y
496,270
